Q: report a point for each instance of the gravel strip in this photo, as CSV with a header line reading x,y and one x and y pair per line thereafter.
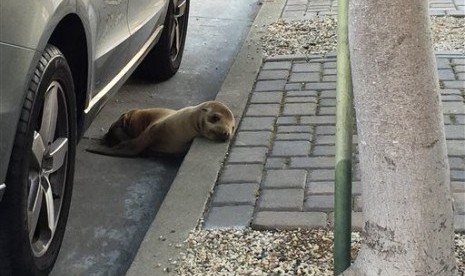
x,y
318,36
250,252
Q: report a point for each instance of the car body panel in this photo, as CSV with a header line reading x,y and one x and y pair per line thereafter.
x,y
12,93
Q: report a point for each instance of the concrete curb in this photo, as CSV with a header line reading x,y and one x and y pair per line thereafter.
x,y
185,202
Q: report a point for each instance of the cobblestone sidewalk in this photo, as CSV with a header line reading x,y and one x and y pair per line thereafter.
x,y
280,169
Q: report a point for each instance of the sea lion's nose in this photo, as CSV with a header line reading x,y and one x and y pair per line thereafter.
x,y
225,136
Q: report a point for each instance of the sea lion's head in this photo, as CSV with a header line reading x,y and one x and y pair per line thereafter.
x,y
216,121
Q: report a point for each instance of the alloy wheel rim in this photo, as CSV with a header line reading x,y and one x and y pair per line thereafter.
x,y
177,29
48,170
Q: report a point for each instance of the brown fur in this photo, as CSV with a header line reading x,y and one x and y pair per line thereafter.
x,y
167,131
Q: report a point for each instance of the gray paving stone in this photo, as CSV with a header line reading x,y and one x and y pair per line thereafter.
x,y
285,179
276,163
306,67
459,203
263,110
325,140
358,203
257,123
327,111
296,129
320,188
457,175
304,77
329,71
273,65
459,61
291,148
300,100
328,102
281,200
457,84
273,75
293,86
299,109
455,148
458,186
312,163
446,74
229,217
322,86
318,120
270,97
443,63
325,130
270,85
459,223
302,93
322,203
357,221
293,137
288,120
249,155
236,173
453,108
324,150
268,220
452,98
450,92
454,119
235,194
253,138
455,132
321,175
328,94
331,78
457,163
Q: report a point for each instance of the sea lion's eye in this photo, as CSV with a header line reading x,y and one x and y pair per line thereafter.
x,y
214,118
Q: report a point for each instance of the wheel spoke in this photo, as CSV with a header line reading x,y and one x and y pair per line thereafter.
x,y
50,114
57,155
178,36
34,203
38,150
180,8
49,203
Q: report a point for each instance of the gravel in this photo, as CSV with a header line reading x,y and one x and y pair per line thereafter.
x,y
318,36
250,252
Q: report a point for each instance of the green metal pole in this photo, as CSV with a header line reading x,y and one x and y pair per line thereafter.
x,y
344,122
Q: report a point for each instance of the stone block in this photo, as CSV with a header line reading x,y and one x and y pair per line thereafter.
x,y
274,65
291,148
273,75
235,194
241,173
308,108
270,220
281,200
285,179
226,217
305,77
321,86
303,93
318,120
293,136
312,163
257,123
248,155
253,138
276,163
306,67
263,110
270,85
265,98
324,150
323,203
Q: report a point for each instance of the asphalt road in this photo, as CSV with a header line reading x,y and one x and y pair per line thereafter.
x,y
116,199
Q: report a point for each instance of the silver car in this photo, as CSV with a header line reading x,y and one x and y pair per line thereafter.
x,y
60,61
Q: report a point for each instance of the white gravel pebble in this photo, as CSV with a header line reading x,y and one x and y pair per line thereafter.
x,y
318,36
250,252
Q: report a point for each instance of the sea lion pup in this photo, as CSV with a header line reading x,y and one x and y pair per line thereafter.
x,y
166,131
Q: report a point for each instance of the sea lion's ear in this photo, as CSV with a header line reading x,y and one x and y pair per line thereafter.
x,y
206,109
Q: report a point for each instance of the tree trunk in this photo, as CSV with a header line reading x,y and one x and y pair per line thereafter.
x,y
408,217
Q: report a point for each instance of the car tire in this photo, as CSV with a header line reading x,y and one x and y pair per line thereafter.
x,y
163,61
34,210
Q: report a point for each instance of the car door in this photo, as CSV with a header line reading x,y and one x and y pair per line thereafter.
x,y
144,16
111,41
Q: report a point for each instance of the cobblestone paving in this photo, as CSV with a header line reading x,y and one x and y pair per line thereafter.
x,y
280,169
307,9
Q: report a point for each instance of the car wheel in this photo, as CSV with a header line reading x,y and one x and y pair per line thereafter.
x,y
40,176
163,61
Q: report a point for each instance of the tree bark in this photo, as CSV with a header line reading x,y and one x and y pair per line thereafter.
x,y
407,206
